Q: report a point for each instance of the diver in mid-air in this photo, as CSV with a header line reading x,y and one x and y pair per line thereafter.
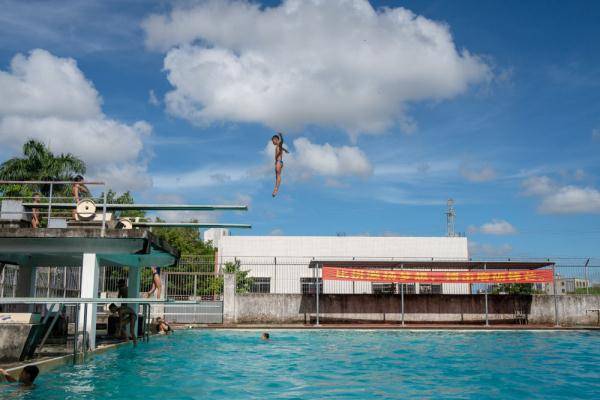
x,y
279,149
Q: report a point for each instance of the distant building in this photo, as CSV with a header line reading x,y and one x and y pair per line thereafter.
x,y
566,285
214,235
279,264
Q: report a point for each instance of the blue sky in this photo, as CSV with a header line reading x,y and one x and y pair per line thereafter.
x,y
387,112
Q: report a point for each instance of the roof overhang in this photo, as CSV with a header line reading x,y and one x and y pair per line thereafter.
x,y
65,247
442,264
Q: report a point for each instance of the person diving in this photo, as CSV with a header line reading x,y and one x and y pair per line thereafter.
x,y
277,141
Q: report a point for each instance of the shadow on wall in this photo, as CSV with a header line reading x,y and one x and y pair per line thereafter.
x,y
418,308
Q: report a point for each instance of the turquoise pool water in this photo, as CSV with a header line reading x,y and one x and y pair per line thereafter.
x,y
334,364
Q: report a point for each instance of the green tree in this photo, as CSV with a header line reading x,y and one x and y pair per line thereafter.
x,y
243,282
125,198
186,240
514,288
38,163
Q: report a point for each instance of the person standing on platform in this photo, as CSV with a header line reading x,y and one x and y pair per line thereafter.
x,y
156,284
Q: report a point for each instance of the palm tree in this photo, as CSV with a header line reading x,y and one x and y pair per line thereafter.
x,y
39,164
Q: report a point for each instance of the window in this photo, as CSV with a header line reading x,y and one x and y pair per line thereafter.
x,y
409,288
430,289
261,285
384,288
307,285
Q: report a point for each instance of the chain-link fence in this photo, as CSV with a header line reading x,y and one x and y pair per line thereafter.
x,y
200,277
292,275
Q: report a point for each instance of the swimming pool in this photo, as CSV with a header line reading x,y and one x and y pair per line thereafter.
x,y
336,364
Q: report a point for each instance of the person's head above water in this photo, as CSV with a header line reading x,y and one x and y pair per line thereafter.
x,y
265,336
28,374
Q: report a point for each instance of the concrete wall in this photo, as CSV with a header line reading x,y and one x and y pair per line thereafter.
x,y
295,308
13,338
572,309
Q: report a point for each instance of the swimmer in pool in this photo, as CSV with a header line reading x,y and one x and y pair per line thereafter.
x,y
26,377
162,327
265,336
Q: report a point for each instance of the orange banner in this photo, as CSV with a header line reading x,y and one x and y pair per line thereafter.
x,y
411,276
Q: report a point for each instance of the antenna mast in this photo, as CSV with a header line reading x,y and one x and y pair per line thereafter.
x,y
450,218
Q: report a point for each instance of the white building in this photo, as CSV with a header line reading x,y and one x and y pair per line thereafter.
x,y
279,264
214,235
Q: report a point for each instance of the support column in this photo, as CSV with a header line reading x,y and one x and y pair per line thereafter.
x,y
318,267
26,285
229,316
556,323
402,285
487,320
133,291
90,275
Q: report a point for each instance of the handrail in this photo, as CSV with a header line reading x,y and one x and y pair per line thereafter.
x,y
75,300
3,182
153,207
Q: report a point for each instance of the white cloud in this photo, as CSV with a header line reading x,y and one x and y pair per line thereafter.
x,y
208,176
567,199
495,227
42,85
276,232
305,160
128,176
96,140
184,216
337,63
489,250
48,98
329,161
596,134
571,200
152,99
484,174
538,186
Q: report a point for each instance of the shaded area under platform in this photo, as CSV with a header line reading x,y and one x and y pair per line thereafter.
x,y
64,247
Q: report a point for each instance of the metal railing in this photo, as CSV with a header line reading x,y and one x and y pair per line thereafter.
x,y
291,275
199,277
44,208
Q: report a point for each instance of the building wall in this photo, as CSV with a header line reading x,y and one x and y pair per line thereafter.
x,y
285,259
566,285
214,235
